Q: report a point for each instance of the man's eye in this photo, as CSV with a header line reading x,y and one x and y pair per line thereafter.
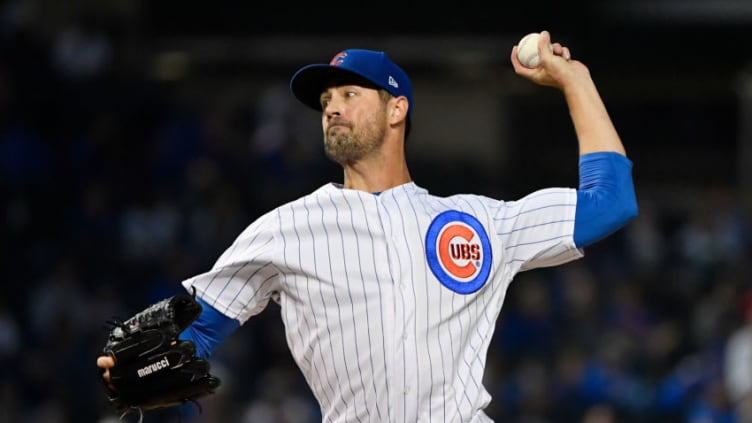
x,y
324,103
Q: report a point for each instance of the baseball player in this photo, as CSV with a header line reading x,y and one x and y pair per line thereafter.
x,y
389,294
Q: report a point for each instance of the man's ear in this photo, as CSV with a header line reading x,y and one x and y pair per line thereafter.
x,y
399,107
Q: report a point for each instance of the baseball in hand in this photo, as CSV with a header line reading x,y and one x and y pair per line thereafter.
x,y
527,50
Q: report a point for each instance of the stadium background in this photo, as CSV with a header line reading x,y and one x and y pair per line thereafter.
x,y
138,138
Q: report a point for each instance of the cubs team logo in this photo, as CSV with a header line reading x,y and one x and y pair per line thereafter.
x,y
458,251
338,59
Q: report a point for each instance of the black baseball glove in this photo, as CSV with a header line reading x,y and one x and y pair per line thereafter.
x,y
153,369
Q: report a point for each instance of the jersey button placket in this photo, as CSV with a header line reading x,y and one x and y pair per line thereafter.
x,y
394,313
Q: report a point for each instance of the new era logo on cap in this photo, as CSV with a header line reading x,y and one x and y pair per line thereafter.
x,y
375,66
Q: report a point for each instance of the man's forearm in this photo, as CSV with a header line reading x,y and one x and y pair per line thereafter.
x,y
592,123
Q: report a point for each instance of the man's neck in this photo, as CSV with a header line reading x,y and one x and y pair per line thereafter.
x,y
376,176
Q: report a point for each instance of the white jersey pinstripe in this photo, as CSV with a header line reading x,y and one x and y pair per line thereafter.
x,y
377,334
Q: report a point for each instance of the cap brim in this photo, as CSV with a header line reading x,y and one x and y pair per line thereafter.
x,y
310,81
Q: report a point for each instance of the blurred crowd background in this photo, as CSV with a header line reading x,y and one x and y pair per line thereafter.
x,y
137,139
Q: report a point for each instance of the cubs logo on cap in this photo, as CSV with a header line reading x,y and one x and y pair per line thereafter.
x,y
338,58
458,251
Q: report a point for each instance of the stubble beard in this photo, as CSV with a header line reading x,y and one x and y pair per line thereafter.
x,y
345,145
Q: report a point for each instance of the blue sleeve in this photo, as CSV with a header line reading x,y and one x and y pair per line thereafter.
x,y
605,199
209,329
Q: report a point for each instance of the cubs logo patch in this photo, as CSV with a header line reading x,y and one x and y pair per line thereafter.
x,y
458,251
338,59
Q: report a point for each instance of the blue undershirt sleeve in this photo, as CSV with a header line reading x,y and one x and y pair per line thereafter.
x,y
606,198
209,329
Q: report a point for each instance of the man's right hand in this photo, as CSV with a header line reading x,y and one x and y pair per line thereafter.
x,y
106,362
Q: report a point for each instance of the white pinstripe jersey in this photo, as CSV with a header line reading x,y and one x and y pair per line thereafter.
x,y
390,301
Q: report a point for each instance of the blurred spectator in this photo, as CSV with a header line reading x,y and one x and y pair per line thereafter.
x,y
711,405
83,49
738,363
278,400
527,328
58,305
646,241
149,226
600,413
11,347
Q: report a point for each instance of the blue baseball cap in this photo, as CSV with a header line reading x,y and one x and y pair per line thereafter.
x,y
309,82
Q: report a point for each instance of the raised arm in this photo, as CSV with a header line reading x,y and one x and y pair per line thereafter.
x,y
592,123
606,198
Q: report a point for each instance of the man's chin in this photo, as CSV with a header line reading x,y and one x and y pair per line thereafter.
x,y
335,130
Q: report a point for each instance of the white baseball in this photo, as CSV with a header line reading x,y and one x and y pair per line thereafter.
x,y
527,50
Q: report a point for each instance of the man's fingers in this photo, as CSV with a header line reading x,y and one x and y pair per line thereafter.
x,y
563,51
544,44
566,54
105,361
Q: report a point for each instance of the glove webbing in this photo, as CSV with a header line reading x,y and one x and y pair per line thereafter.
x,y
171,315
